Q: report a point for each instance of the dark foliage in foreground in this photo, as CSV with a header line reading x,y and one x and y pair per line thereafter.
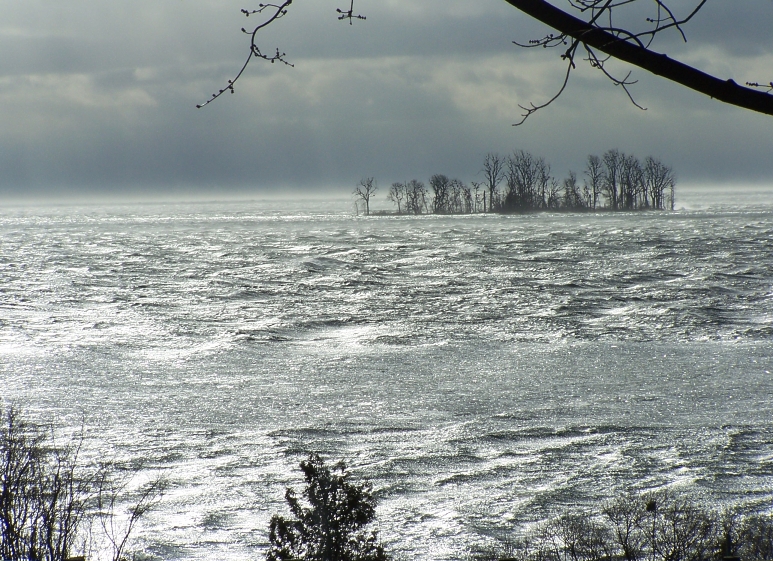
x,y
652,527
331,524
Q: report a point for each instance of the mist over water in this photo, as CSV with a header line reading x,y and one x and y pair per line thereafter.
x,y
481,371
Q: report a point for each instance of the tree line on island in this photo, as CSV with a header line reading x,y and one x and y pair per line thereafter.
x,y
522,182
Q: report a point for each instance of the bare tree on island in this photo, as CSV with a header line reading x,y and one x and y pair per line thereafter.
x,y
530,185
416,197
396,195
587,30
613,164
573,195
440,193
477,205
594,180
658,178
494,172
364,190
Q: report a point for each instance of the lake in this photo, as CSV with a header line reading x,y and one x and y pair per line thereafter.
x,y
482,371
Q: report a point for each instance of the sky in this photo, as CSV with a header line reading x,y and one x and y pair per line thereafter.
x,y
98,99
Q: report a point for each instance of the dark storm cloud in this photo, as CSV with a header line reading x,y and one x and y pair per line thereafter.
x,y
101,98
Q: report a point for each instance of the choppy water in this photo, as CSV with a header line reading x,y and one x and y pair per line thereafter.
x,y
481,371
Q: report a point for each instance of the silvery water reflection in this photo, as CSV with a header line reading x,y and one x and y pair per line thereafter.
x,y
481,370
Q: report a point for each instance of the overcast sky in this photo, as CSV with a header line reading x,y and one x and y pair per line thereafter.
x,y
99,98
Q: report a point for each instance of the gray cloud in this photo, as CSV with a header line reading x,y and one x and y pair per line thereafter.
x,y
101,99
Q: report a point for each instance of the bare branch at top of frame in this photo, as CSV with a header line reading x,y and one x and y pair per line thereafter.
x,y
349,14
764,87
270,13
598,30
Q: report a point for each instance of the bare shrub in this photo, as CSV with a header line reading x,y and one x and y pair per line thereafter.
x,y
755,538
681,530
661,526
570,537
50,500
624,517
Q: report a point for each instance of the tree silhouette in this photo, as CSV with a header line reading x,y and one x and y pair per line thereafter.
x,y
415,197
50,498
396,195
364,190
330,525
493,171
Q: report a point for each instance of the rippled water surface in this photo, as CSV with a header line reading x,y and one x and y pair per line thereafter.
x,y
481,371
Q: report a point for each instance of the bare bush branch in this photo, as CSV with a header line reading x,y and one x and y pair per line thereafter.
x,y
50,499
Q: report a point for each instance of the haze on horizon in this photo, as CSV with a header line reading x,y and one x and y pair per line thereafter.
x,y
99,100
